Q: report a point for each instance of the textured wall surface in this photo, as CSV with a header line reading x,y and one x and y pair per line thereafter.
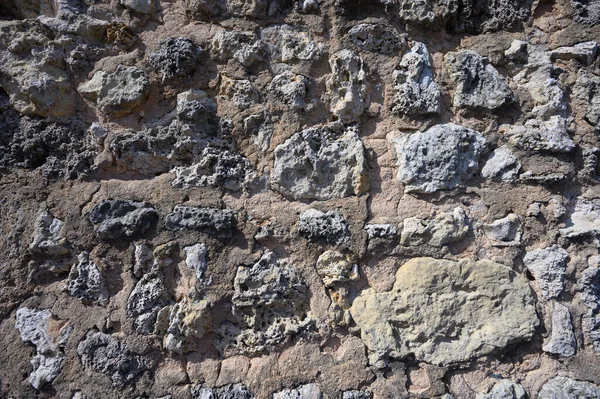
x,y
349,199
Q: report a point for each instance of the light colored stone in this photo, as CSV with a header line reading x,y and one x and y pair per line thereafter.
x,y
536,135
195,259
589,293
501,165
327,226
584,221
562,341
287,44
321,163
415,90
584,52
86,282
308,391
442,311
188,321
504,232
141,6
290,89
441,158
244,47
504,389
548,266
377,38
445,228
568,388
241,92
348,91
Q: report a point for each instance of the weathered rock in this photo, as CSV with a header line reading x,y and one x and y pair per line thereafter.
x,y
49,238
244,47
415,90
445,228
426,381
587,12
216,168
504,389
567,388
253,9
336,271
148,297
321,163
548,266
562,341
176,56
213,221
589,288
105,354
308,391
535,135
501,165
49,336
287,44
377,38
86,282
442,157
195,259
188,321
122,219
356,394
504,232
478,84
117,93
420,315
241,92
348,91
327,226
584,52
290,89
141,6
270,301
584,221
380,230
587,90
231,391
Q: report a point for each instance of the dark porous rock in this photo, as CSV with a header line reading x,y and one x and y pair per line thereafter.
x,y
327,226
122,219
176,56
213,221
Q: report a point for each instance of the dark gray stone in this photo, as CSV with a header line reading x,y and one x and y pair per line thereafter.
x,y
218,222
176,56
122,219
327,226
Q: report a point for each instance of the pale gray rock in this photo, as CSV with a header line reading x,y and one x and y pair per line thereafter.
x,y
34,327
445,228
208,10
287,44
501,165
356,394
106,354
505,232
231,391
423,12
271,304
195,259
290,89
587,91
584,52
415,90
380,230
308,391
186,322
327,226
148,297
122,219
562,341
348,91
117,93
478,83
536,135
244,47
48,238
589,288
568,388
504,389
176,56
141,6
548,267
321,163
213,221
216,168
241,92
583,221
142,259
441,158
377,38
308,6
260,127
477,307
86,282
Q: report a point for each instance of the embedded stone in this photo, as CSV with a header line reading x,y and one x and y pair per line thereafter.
x,y
478,84
288,44
347,88
584,52
415,90
117,93
231,391
568,388
589,292
308,391
501,165
504,232
377,38
327,226
213,221
321,163
548,266
290,89
244,47
148,297
141,6
536,135
176,56
48,239
562,341
444,312
445,228
504,389
195,259
86,282
188,321
441,158
122,219
241,92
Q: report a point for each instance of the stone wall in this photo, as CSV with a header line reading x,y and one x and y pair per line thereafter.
x,y
299,199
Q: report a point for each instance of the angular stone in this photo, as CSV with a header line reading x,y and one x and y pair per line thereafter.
x,y
308,391
356,394
347,88
444,312
568,388
122,219
176,56
501,165
584,221
587,91
86,282
117,93
290,89
584,52
148,297
445,228
377,38
334,267
441,158
188,321
535,135
106,354
141,6
213,221
589,288
288,44
321,163
548,266
562,341
48,239
426,381
478,84
415,90
231,391
241,92
504,232
216,168
195,259
49,336
380,230
504,389
327,226
244,47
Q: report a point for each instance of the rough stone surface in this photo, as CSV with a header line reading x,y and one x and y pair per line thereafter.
x,y
86,282
443,229
505,232
504,389
327,226
348,89
501,165
219,222
122,219
589,287
405,320
562,342
564,387
176,56
321,163
442,157
377,38
231,391
548,266
308,391
550,135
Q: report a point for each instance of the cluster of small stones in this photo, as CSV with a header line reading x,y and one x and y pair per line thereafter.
x,y
236,199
